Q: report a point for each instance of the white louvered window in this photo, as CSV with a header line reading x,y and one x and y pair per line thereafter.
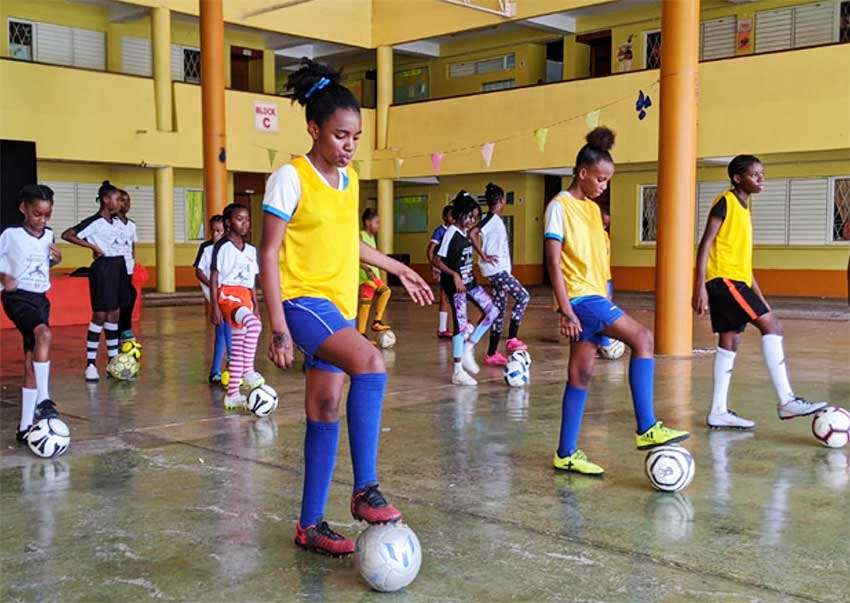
x,y
64,206
707,192
798,26
717,38
500,85
142,212
70,46
770,214
136,56
482,66
179,214
808,219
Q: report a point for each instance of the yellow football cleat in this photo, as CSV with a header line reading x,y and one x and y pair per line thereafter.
x,y
577,463
658,435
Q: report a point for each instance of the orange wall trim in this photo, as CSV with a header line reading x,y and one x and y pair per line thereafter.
x,y
798,283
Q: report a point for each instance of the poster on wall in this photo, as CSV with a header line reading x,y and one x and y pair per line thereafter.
x,y
744,35
410,214
194,215
625,56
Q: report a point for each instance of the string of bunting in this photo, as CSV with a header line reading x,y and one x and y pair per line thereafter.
x,y
487,149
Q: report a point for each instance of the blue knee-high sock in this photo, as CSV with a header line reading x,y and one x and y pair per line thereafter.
x,y
457,345
320,444
228,337
218,350
641,380
363,412
571,414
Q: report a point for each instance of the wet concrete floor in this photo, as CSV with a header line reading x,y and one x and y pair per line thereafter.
x,y
164,496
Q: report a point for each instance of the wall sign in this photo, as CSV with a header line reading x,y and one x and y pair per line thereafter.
x,y
265,117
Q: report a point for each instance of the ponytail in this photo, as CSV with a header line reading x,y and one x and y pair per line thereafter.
x,y
316,87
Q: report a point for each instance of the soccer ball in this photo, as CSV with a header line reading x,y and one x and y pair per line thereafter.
x,y
49,438
124,366
516,373
670,468
521,356
388,556
386,340
262,401
831,427
615,349
132,347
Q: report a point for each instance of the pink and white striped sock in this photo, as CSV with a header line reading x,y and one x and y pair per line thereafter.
x,y
253,328
236,366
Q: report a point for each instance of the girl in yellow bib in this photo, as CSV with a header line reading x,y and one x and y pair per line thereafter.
x,y
725,286
310,260
577,261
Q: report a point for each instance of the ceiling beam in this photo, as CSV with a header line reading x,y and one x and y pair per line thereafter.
x,y
559,23
423,48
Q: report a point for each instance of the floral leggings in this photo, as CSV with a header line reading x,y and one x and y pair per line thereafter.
x,y
479,297
504,284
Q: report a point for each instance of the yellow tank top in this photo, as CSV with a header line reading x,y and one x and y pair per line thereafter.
x,y
321,252
731,253
584,251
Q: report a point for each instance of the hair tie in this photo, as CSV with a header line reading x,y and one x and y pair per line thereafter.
x,y
317,86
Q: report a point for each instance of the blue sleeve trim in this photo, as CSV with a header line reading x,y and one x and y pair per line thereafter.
x,y
552,235
276,212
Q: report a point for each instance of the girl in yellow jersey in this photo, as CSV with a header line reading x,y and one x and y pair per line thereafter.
x,y
310,260
726,287
578,266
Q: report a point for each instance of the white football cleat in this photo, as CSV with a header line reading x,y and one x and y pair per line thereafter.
x,y
253,380
91,373
798,407
728,420
237,402
461,377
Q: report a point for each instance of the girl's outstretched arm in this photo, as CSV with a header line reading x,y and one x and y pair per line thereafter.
x,y
280,342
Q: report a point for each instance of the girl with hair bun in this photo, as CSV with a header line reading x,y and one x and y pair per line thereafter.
x,y
310,262
577,262
102,233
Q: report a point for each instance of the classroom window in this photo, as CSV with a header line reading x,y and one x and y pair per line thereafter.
x,y
652,46
717,38
499,85
411,85
841,208
482,66
192,65
648,213
811,24
20,40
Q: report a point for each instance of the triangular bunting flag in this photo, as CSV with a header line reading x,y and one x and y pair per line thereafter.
x,y
487,152
592,118
272,155
436,160
398,163
540,135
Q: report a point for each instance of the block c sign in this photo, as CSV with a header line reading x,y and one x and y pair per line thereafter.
x,y
265,117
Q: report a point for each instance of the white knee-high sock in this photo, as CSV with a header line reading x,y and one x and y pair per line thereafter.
x,y
774,358
444,322
724,360
42,379
28,397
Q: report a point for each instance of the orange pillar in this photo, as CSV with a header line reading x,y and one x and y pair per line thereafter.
x,y
212,106
677,152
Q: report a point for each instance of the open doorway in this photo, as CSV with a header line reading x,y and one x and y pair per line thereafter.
x,y
249,188
555,61
246,69
552,185
600,51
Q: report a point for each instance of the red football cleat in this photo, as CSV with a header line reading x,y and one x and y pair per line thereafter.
x,y
322,539
369,505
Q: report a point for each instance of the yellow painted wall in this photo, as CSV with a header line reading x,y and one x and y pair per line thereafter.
x,y
109,118
765,116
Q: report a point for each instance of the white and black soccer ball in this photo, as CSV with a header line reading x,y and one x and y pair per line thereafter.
x,y
831,427
521,356
388,556
615,349
670,468
516,373
49,438
262,401
386,339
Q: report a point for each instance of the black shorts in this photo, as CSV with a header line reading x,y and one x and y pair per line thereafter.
x,y
128,292
733,304
107,287
27,310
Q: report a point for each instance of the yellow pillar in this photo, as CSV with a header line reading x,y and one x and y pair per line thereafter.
x,y
677,151
212,106
385,94
164,216
385,210
161,35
